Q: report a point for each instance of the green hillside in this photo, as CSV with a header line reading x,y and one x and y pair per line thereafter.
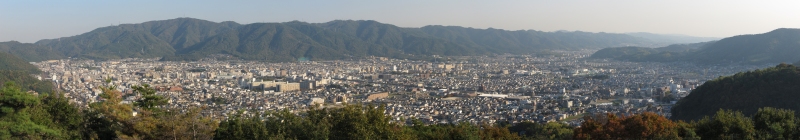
x,y
13,63
671,38
746,92
19,71
780,45
30,52
777,46
638,54
192,39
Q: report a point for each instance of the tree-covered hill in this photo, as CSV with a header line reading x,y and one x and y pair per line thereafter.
x,y
777,46
149,39
19,71
14,63
672,38
780,45
746,92
30,52
684,47
191,39
638,54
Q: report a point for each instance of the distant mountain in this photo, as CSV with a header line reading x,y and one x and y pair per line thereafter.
x,y
675,52
780,45
149,39
19,71
526,40
283,42
684,47
672,39
191,39
745,91
30,52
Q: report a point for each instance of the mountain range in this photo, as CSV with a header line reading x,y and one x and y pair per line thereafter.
x,y
192,39
777,46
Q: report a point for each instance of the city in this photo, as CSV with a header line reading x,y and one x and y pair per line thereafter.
x,y
559,86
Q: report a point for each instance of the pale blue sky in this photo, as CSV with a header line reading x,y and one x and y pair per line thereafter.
x,y
29,21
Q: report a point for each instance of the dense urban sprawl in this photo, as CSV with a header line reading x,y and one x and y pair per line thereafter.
x,y
561,86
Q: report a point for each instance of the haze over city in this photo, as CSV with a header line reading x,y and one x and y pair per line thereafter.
x,y
30,21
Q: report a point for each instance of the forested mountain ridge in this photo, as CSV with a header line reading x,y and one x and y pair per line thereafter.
x,y
777,46
745,91
190,39
149,39
29,52
14,63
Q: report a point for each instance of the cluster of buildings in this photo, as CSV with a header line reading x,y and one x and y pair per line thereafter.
x,y
477,89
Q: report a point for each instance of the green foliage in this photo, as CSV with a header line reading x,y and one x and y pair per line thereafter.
x,y
64,115
13,63
149,100
444,131
773,123
15,69
22,117
744,91
110,119
26,81
726,124
552,130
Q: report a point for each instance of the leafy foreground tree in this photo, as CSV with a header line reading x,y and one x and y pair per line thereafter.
x,y
552,130
767,123
26,116
772,123
16,116
726,124
110,119
641,126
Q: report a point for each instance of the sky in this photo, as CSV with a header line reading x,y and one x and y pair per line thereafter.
x,y
30,21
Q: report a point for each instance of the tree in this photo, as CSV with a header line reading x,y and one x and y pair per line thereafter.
x,y
149,99
497,133
552,130
640,126
109,119
64,115
18,113
772,123
726,124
